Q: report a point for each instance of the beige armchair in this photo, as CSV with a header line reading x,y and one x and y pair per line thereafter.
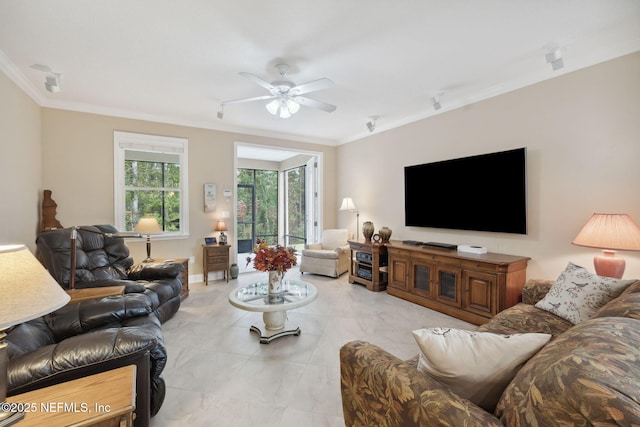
x,y
330,257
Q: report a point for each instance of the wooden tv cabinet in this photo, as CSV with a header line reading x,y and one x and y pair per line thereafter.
x,y
468,286
372,271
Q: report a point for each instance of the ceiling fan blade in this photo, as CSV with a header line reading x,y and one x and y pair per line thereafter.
x,y
311,86
265,84
240,101
308,102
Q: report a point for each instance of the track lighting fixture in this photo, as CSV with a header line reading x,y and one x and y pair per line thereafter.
x,y
436,103
221,112
371,124
554,57
52,83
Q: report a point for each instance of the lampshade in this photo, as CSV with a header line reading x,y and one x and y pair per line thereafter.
x,y
283,107
221,226
273,106
28,290
293,106
609,231
347,204
148,225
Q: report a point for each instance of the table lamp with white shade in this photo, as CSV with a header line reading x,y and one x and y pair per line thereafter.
x,y
148,225
28,292
609,232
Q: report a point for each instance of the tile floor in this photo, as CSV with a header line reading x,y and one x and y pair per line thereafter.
x,y
218,374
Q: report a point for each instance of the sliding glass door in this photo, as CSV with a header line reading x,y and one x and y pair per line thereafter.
x,y
257,207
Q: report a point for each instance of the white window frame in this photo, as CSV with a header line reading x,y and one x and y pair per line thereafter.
x,y
155,144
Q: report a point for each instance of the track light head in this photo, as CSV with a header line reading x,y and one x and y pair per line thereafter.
x,y
52,83
436,103
221,112
371,124
554,57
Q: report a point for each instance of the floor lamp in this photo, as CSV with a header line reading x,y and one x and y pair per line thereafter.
x,y
348,205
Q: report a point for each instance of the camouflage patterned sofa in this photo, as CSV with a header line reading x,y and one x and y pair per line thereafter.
x,y
588,374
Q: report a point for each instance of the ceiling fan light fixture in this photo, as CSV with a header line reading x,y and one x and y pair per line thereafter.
x,y
285,97
293,106
273,106
284,110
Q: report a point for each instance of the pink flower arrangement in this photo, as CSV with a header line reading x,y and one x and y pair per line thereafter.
x,y
272,258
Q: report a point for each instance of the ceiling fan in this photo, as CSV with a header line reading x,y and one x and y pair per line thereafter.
x,y
285,95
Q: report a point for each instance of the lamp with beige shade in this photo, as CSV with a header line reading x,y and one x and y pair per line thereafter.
x,y
148,225
28,292
611,233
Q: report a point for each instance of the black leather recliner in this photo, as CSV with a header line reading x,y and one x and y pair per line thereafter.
x,y
89,337
105,261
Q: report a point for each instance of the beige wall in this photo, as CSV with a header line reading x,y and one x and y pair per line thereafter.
x,y
581,130
78,168
582,133
20,165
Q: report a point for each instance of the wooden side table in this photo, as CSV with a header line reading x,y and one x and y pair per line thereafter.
x,y
84,294
106,399
215,258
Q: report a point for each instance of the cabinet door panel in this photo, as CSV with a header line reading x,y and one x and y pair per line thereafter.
x,y
421,282
480,292
398,270
448,286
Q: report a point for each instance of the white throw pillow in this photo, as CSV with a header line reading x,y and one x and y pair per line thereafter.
x,y
476,365
577,293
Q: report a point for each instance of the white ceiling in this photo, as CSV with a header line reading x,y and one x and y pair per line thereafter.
x,y
175,61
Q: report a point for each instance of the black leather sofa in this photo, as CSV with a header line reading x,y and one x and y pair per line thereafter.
x,y
89,337
105,261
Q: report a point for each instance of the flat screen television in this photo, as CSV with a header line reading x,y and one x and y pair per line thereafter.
x,y
486,192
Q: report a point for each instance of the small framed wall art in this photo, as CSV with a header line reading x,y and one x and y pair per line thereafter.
x,y
209,197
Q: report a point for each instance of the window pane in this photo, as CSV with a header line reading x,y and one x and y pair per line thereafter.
x,y
145,202
172,175
295,180
143,174
245,176
266,183
171,211
139,203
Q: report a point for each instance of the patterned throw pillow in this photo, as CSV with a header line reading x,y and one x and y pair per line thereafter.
x,y
577,293
476,365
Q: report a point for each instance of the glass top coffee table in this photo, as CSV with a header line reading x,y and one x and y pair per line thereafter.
x,y
255,297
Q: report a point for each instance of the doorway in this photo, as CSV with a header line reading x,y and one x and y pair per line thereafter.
x,y
257,207
278,197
